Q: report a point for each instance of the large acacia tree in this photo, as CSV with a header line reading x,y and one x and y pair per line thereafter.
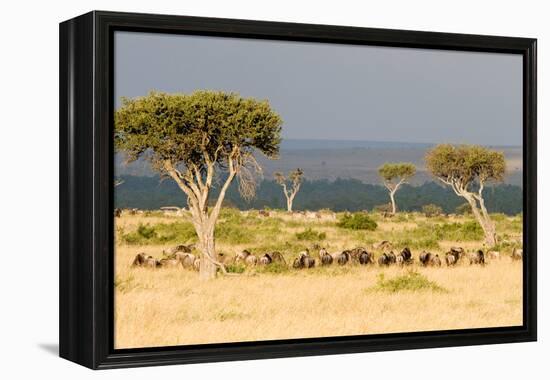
x,y
200,140
295,178
394,175
467,169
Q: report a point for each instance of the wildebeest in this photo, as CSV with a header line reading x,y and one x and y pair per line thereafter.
x,y
387,259
304,261
246,257
458,252
493,255
477,257
366,258
263,213
517,254
188,260
404,257
170,263
222,258
428,258
450,259
181,248
383,245
197,264
118,212
265,259
325,258
343,258
144,260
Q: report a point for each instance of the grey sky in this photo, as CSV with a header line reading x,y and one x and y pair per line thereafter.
x,y
328,91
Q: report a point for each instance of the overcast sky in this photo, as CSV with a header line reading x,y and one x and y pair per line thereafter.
x,y
343,92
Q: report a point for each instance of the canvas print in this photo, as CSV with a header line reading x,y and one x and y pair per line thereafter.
x,y
269,190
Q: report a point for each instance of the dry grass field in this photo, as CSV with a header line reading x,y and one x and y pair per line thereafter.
x,y
170,306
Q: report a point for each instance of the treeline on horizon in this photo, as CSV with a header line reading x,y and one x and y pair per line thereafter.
x,y
150,193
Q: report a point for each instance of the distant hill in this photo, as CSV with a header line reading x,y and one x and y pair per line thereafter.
x,y
339,195
324,159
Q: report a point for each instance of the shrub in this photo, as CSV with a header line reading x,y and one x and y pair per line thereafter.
x,y
357,221
412,281
430,210
310,234
464,209
272,268
161,233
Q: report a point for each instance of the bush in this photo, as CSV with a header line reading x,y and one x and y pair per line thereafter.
x,y
357,221
412,281
464,209
272,268
310,234
431,210
159,234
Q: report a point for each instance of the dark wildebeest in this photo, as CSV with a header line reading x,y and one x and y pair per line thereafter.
x,y
355,253
385,259
265,259
450,259
144,260
325,258
404,257
366,258
118,212
458,252
477,257
304,261
384,245
343,258
517,254
392,257
263,213
428,258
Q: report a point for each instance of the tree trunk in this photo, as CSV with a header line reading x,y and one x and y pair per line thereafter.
x,y
485,222
393,207
208,254
289,204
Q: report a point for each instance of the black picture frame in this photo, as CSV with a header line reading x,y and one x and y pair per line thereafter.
x,y
86,189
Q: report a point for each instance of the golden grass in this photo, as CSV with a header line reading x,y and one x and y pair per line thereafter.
x,y
163,307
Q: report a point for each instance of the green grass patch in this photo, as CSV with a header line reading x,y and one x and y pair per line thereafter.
x,y
412,281
310,234
357,221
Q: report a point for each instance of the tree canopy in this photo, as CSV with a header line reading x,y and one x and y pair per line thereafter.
x,y
463,165
191,129
391,171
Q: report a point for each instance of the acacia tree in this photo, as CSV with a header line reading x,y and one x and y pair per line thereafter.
x,y
394,175
295,178
196,139
467,169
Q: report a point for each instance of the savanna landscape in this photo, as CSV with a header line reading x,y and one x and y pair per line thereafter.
x,y
212,273
172,306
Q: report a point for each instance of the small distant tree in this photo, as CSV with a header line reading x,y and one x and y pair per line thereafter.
x,y
291,185
193,138
467,169
394,175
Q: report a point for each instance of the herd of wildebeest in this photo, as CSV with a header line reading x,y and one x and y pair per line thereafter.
x,y
182,256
